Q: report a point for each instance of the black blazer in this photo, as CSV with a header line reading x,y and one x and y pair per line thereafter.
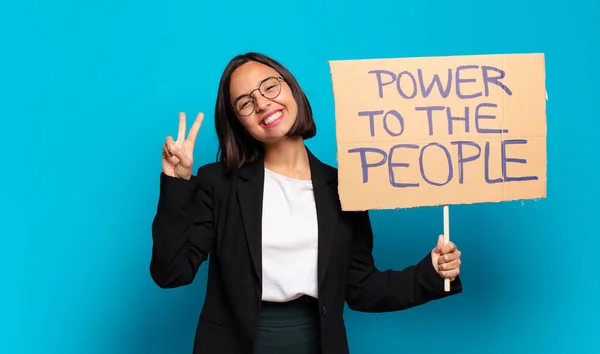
x,y
220,214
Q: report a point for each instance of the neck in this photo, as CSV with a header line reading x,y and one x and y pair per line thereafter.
x,y
288,157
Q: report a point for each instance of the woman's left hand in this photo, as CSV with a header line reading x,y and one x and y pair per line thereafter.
x,y
446,259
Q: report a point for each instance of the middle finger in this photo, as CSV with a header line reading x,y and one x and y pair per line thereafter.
x,y
450,265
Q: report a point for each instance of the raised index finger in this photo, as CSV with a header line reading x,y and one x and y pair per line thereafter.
x,y
196,127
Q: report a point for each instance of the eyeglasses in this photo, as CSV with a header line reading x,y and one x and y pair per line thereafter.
x,y
269,88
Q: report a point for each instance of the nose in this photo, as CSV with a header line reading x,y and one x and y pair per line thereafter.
x,y
261,102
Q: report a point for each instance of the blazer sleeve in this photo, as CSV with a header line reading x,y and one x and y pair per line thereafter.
x,y
182,230
372,290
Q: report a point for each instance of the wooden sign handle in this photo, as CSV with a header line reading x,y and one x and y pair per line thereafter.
x,y
446,240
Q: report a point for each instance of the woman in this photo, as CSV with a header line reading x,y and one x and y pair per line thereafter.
x,y
284,257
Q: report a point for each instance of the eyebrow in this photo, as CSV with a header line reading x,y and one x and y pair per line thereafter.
x,y
239,97
257,86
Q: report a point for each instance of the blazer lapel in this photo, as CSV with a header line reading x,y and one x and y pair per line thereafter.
x,y
327,203
250,198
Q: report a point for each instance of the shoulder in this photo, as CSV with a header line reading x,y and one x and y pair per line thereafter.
x,y
331,176
330,170
212,169
211,174
322,170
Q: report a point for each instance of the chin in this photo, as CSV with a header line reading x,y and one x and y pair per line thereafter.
x,y
274,138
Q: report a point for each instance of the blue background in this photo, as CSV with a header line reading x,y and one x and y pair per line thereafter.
x,y
90,89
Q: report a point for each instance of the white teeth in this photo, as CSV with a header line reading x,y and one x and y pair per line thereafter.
x,y
272,118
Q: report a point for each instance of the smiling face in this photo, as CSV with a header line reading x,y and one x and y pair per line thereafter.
x,y
263,102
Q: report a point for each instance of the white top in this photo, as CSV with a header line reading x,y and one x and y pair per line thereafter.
x,y
289,239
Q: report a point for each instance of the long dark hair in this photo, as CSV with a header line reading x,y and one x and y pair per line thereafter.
x,y
236,147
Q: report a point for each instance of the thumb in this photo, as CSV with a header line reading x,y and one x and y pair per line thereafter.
x,y
184,160
440,244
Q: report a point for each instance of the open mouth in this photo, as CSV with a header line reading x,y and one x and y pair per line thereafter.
x,y
272,119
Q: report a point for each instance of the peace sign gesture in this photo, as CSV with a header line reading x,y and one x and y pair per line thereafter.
x,y
178,156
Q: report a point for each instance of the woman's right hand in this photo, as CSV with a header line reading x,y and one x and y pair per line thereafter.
x,y
178,156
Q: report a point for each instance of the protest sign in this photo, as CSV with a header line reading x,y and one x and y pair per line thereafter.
x,y
440,130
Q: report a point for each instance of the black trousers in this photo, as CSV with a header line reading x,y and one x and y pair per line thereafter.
x,y
289,328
